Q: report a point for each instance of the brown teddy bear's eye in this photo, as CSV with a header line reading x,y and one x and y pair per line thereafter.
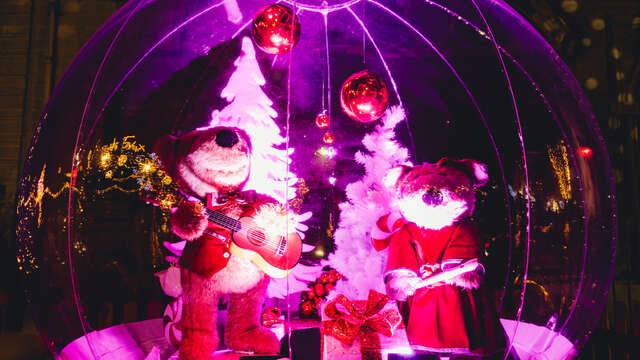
x,y
227,138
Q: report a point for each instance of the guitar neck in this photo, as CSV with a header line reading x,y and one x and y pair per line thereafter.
x,y
223,220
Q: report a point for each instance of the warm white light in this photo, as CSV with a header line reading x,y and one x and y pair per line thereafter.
x,y
598,24
332,180
328,152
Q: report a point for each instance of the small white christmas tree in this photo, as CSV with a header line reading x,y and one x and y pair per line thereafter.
x,y
251,109
367,200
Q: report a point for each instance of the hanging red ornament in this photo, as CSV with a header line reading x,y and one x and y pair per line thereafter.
x,y
585,151
328,138
322,120
364,96
272,29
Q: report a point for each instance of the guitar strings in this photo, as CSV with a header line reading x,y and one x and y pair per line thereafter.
x,y
236,225
271,244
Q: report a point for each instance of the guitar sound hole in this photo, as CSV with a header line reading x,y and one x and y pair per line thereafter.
x,y
257,237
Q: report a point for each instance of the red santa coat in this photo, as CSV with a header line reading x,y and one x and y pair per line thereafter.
x,y
209,253
445,318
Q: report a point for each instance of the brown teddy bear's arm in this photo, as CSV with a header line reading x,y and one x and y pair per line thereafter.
x,y
188,220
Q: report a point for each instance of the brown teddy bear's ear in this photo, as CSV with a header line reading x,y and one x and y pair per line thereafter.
x,y
391,179
477,171
165,148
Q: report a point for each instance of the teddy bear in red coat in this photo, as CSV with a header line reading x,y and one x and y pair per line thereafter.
x,y
430,235
212,165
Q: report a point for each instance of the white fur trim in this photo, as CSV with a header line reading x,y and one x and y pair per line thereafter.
x,y
470,280
400,272
238,276
401,283
432,217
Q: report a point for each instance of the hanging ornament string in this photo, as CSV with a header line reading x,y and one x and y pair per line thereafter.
x,y
327,59
323,119
364,37
287,327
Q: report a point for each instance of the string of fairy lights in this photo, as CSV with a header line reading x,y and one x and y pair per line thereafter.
x,y
122,166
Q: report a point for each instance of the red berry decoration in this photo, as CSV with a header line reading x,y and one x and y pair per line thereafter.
x,y
319,290
323,120
272,29
324,278
307,309
328,138
364,96
311,299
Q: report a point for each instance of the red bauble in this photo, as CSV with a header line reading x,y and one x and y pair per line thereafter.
x,y
328,138
323,120
364,96
329,287
271,29
585,151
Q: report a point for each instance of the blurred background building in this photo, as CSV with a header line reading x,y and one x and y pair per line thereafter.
x,y
599,40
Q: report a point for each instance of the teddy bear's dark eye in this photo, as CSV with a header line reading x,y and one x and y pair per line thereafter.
x,y
432,197
226,138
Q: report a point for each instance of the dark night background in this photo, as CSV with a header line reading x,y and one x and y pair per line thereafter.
x,y
599,40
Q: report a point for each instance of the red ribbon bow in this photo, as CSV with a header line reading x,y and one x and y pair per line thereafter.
x,y
361,320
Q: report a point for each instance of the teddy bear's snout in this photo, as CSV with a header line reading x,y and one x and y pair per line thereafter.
x,y
226,138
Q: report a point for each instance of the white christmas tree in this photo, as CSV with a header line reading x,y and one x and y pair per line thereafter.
x,y
367,200
251,109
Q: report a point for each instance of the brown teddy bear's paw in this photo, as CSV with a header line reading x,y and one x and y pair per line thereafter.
x,y
258,339
188,221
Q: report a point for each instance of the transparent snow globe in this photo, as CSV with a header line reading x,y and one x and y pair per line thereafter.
x,y
473,78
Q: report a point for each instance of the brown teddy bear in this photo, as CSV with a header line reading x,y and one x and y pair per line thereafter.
x,y
429,235
212,165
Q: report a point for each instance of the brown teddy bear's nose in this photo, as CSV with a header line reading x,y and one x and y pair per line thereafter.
x,y
432,197
226,138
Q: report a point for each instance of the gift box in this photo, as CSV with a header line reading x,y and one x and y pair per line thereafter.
x,y
362,329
